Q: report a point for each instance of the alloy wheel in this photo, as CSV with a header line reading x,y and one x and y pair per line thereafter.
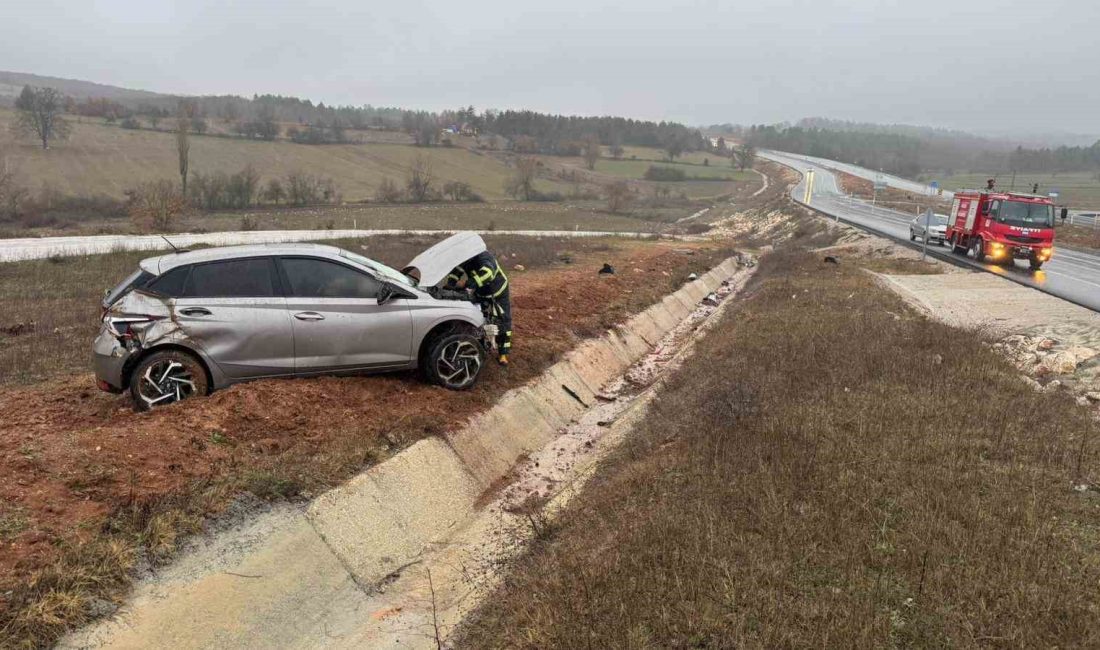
x,y
166,381
458,364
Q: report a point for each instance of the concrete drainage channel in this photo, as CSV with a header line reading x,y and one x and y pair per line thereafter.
x,y
397,555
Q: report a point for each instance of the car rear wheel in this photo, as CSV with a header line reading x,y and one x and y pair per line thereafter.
x,y
165,378
453,360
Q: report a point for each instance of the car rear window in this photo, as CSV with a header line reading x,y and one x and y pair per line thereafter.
x,y
245,278
136,279
171,283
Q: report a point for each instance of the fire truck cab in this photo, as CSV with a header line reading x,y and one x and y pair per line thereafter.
x,y
1001,227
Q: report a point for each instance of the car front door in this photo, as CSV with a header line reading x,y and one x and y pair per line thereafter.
x,y
338,323
234,311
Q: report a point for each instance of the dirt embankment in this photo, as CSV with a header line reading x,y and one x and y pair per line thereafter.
x,y
84,473
1074,236
892,198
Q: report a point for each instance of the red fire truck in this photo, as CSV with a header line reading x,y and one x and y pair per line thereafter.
x,y
1001,227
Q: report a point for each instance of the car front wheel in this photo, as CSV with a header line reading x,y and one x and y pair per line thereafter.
x,y
453,360
166,377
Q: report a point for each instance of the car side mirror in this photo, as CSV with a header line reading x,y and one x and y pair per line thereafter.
x,y
388,292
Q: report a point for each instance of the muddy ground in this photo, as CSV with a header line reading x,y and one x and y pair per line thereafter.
x,y
73,458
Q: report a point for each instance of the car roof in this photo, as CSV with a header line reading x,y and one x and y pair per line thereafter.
x,y
164,263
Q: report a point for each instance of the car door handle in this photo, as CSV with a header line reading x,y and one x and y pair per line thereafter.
x,y
195,311
309,315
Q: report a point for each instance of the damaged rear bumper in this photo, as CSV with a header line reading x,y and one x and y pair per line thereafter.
x,y
109,360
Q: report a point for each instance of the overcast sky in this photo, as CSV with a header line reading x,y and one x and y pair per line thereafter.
x,y
981,65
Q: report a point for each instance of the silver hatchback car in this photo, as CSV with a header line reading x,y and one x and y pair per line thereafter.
x,y
187,323
936,228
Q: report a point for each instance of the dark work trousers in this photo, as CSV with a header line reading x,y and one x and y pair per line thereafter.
x,y
502,314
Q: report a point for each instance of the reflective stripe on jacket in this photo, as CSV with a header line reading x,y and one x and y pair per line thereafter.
x,y
483,275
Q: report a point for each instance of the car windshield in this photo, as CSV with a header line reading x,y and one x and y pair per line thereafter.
x,y
1028,215
379,268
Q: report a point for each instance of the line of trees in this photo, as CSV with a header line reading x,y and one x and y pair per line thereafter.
x,y
889,152
1060,159
567,135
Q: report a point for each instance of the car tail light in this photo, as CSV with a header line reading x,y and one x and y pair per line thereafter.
x,y
121,325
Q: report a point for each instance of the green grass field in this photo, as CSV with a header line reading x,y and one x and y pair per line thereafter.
x,y
1076,189
103,159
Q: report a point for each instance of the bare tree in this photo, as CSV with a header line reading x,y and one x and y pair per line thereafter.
x,y
744,155
525,144
619,196
418,184
40,111
274,192
387,192
155,205
522,183
183,147
617,151
591,151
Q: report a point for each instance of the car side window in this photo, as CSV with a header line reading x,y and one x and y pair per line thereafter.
x,y
245,278
310,277
170,284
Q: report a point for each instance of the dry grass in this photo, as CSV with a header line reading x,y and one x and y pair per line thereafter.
x,y
1077,236
830,469
51,307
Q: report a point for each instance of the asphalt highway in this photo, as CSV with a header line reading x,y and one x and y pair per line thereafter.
x,y
1071,274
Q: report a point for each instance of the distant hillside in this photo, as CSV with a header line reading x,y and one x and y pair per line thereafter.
x,y
11,84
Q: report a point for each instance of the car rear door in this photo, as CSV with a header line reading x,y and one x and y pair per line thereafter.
x,y
235,312
338,323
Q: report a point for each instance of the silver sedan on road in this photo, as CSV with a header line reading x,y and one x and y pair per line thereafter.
x,y
937,228
187,323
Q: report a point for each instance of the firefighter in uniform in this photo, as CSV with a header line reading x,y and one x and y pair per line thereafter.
x,y
483,274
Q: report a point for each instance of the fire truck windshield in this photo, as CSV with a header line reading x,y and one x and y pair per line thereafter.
x,y
1025,215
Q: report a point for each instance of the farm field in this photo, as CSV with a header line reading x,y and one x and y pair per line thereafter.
x,y
101,159
1075,189
727,180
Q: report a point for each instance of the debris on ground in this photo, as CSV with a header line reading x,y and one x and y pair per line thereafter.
x,y
607,269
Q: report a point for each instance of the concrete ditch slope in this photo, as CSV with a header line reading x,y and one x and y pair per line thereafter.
x,y
271,582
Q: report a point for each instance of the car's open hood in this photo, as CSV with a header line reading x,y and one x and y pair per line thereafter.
x,y
435,263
